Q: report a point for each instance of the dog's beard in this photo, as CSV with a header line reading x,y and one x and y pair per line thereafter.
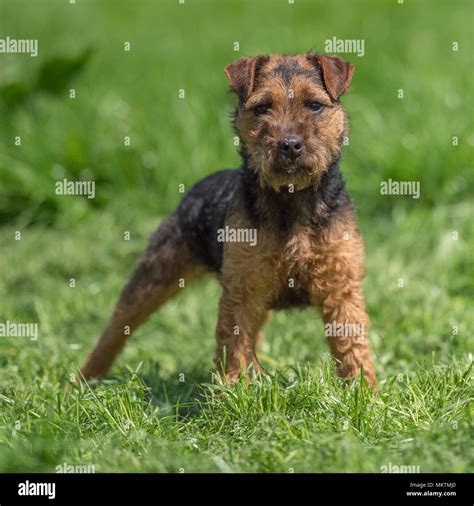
x,y
288,176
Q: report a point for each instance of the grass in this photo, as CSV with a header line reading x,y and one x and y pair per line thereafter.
x,y
158,411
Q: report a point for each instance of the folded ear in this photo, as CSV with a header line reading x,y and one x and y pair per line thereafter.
x,y
241,74
336,72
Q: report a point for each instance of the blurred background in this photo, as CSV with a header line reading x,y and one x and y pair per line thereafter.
x,y
424,48
177,140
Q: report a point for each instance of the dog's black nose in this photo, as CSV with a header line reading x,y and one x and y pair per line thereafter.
x,y
291,147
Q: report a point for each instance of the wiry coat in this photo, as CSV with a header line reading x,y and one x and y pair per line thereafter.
x,y
308,249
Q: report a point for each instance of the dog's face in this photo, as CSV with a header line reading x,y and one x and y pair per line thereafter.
x,y
289,117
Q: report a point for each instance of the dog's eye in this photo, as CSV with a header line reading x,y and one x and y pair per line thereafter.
x,y
315,106
261,109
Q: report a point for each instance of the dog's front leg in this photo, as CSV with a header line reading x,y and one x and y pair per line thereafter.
x,y
346,329
238,325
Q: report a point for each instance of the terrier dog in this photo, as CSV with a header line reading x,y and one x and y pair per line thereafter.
x,y
290,193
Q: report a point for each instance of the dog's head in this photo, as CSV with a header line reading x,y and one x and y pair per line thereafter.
x,y
289,117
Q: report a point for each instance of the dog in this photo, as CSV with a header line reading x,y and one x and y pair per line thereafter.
x,y
290,196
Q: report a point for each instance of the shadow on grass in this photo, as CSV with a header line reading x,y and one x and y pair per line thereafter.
x,y
177,393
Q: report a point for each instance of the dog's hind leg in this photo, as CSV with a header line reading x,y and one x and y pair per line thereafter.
x,y
157,276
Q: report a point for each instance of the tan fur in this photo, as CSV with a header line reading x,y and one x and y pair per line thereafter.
x,y
329,265
155,280
321,263
321,133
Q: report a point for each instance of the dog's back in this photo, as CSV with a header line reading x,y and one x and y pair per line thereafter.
x,y
202,213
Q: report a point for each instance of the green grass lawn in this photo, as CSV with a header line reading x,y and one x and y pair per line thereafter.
x,y
158,411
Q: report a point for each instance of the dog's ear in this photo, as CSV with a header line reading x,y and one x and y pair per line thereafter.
x,y
336,72
241,74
